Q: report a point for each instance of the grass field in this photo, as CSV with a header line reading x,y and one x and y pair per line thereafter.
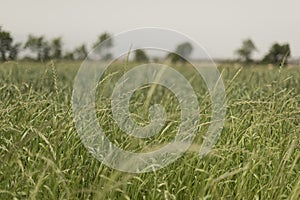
x,y
256,157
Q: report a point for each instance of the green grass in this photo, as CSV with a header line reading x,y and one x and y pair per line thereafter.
x,y
256,157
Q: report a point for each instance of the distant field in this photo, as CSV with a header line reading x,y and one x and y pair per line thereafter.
x,y
256,157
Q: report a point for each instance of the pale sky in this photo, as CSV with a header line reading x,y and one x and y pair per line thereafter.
x,y
219,25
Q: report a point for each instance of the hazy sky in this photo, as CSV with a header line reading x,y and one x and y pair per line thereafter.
x,y
218,25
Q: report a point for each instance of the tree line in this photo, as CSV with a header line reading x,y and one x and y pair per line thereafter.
x,y
278,54
44,49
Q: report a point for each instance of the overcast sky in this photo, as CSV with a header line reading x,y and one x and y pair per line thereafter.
x,y
219,25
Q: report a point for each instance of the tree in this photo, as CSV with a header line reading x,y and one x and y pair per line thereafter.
x,y
14,51
140,56
38,45
46,51
5,44
182,52
8,50
174,58
69,56
56,47
80,53
106,42
278,54
246,50
185,49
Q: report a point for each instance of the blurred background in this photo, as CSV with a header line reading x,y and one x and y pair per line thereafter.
x,y
220,26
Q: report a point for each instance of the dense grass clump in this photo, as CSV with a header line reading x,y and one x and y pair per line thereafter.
x,y
256,157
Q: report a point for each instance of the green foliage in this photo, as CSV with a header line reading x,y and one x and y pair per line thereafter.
x,y
53,49
175,58
106,42
246,50
38,45
256,157
278,54
140,56
5,43
80,53
7,48
45,50
185,49
182,52
56,46
14,51
69,56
